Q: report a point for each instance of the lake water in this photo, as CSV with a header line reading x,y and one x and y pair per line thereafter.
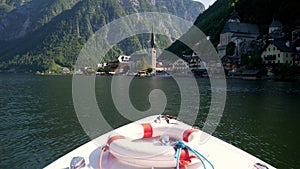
x,y
38,123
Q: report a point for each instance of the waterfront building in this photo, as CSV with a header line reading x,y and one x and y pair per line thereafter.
x,y
124,59
135,62
236,32
280,52
275,27
276,30
280,49
194,61
180,66
66,70
140,61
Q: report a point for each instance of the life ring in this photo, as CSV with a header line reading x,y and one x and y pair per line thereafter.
x,y
146,154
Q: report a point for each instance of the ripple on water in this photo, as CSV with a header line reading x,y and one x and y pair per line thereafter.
x,y
39,124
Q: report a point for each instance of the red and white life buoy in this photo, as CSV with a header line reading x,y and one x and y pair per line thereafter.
x,y
144,153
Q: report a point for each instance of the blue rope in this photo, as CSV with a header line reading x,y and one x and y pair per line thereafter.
x,y
180,145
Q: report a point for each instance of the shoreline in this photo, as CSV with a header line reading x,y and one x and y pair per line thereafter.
x,y
265,78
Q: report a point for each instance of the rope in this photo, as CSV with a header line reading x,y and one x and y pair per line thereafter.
x,y
180,145
101,156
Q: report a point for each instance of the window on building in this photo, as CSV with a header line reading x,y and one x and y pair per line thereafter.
x,y
278,61
273,48
278,55
269,49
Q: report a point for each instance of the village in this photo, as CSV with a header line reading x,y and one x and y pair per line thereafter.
x,y
243,51
248,54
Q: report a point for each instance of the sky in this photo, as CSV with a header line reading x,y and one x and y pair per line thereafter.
x,y
206,2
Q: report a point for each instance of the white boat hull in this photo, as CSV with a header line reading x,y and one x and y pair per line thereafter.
x,y
221,154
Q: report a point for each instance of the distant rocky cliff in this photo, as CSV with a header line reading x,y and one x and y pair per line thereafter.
x,y
39,34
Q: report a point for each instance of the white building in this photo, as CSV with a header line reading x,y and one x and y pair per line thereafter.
x,y
237,32
148,60
180,66
124,59
279,52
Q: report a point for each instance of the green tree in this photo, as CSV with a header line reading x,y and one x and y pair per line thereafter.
x,y
255,60
149,70
286,72
230,49
245,60
142,65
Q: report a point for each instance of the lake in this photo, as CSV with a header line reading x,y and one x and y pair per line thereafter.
x,y
38,122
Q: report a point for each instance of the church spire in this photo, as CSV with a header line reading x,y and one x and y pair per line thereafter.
x,y
234,17
152,42
152,52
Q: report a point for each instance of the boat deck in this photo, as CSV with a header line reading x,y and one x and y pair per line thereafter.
x,y
221,154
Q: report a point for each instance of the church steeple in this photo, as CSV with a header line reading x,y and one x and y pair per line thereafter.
x,y
234,17
152,42
152,52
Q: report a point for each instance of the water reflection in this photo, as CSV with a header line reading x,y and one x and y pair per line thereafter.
x,y
39,124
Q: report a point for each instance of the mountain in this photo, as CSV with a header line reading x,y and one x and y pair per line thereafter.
x,y
8,5
260,12
28,16
40,35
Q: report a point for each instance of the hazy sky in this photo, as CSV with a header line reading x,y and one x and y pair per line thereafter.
x,y
206,2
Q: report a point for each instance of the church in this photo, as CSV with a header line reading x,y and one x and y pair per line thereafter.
x,y
236,32
141,61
